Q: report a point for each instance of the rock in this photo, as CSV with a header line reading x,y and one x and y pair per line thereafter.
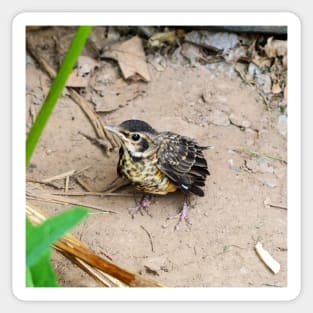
x,y
216,41
218,118
265,82
264,166
192,53
232,166
268,180
262,79
260,165
253,70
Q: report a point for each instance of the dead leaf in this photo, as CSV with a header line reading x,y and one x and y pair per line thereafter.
x,y
261,62
276,48
86,64
76,80
276,88
131,59
80,76
216,41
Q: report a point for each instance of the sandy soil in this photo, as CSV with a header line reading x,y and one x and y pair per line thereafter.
x,y
205,103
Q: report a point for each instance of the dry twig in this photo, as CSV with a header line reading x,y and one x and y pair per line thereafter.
x,y
83,184
59,176
92,193
31,180
150,238
62,200
103,271
75,96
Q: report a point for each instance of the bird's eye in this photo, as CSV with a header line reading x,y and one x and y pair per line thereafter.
x,y
135,137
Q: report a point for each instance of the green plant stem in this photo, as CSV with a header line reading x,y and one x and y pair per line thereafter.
x,y
256,153
56,89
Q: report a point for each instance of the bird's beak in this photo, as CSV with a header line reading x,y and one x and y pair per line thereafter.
x,y
115,130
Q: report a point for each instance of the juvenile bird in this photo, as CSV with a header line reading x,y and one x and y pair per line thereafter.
x,y
160,162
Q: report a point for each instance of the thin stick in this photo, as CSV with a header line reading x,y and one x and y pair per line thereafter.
x,y
93,117
260,154
277,206
75,96
75,250
150,238
67,181
62,200
64,175
82,170
99,276
59,176
116,184
92,193
30,180
83,184
243,76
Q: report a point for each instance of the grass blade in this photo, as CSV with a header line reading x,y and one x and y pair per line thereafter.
x,y
56,89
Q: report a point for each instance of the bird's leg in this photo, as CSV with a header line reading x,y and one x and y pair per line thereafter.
x,y
183,214
143,206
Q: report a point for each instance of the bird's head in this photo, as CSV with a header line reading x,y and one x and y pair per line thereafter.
x,y
136,136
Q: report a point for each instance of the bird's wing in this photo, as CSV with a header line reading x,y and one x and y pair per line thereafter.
x,y
182,161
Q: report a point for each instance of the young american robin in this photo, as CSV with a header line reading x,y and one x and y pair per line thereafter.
x,y
160,162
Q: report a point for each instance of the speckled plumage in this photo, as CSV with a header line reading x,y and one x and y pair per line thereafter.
x,y
160,162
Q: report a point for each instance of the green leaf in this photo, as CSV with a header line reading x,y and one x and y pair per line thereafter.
x,y
40,237
56,89
29,278
42,273
39,272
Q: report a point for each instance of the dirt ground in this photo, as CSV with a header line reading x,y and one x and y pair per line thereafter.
x,y
245,198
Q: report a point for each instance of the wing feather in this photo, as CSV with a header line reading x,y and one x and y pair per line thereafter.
x,y
182,160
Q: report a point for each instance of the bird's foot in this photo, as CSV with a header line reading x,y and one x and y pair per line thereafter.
x,y
182,216
143,206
